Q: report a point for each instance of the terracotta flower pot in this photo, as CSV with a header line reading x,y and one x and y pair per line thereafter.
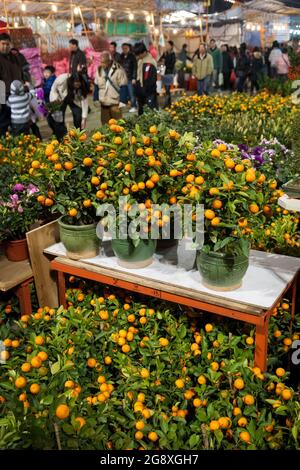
x,y
16,250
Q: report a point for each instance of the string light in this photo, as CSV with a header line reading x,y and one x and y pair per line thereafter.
x,y
108,14
131,16
54,8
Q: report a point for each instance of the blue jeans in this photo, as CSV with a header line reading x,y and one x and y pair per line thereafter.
x,y
203,86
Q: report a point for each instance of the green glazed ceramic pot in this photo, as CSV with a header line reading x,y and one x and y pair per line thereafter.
x,y
80,241
220,271
133,257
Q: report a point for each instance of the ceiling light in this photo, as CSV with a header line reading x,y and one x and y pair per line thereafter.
x,y
76,11
54,8
148,18
108,14
131,16
23,7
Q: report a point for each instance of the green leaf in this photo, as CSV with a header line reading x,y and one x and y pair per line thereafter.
x,y
47,400
194,440
55,368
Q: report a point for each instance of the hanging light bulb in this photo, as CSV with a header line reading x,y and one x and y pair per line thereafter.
x,y
148,18
54,8
174,31
23,6
131,16
16,24
76,11
108,14
156,31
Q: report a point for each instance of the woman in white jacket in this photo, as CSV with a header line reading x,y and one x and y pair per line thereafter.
x,y
72,92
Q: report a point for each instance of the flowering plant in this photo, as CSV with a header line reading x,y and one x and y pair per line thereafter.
x,y
19,210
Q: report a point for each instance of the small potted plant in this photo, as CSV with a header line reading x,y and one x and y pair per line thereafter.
x,y
19,211
69,179
140,166
234,195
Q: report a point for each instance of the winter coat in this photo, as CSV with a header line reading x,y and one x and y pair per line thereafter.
x,y
217,58
146,76
227,62
283,64
169,59
203,67
59,92
129,64
76,58
109,83
11,68
257,65
47,87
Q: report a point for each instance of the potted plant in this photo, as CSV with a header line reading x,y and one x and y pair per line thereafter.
x,y
68,174
19,211
140,167
235,195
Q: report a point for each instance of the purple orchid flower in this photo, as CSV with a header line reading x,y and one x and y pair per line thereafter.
x,y
19,187
32,189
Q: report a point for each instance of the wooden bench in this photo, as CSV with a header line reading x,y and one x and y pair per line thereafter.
x,y
17,276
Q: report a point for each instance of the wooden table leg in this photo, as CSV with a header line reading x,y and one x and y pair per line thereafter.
x,y
61,289
24,296
261,344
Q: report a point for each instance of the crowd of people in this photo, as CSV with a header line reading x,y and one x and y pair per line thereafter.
x,y
124,77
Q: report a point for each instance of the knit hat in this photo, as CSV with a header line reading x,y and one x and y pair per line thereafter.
x,y
17,88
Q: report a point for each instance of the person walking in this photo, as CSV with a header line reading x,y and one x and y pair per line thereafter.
x,y
203,67
183,58
274,56
242,68
115,55
257,66
217,59
146,86
283,65
78,61
49,79
227,66
11,68
168,59
19,103
129,63
110,78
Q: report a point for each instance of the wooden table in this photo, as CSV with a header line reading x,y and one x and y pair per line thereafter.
x,y
268,279
17,276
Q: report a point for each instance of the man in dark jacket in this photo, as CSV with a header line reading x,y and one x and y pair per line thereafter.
x,y
242,68
168,59
227,66
114,53
146,78
77,58
129,64
12,67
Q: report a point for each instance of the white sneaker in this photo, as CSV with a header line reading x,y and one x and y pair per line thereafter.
x,y
133,110
122,105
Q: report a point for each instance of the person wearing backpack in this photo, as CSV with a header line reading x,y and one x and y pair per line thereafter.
x,y
110,78
283,65
242,68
